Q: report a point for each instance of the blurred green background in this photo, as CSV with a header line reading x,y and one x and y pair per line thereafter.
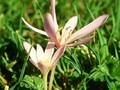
x,y
95,66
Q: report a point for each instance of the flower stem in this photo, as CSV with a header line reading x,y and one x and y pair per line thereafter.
x,y
51,78
45,81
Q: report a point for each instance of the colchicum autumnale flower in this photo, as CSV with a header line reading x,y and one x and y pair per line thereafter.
x,y
67,36
44,60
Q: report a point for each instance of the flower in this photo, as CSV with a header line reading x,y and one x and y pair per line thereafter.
x,y
44,60
67,36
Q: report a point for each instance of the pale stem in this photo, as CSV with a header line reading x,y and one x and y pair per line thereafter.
x,y
45,80
52,78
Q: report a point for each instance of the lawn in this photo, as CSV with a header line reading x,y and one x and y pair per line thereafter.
x,y
94,65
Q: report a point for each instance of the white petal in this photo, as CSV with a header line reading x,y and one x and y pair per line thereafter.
x,y
33,28
49,50
70,25
68,29
40,53
31,51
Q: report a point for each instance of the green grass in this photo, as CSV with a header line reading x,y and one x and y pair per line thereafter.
x,y
96,67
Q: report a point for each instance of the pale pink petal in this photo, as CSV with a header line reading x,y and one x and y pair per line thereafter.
x,y
53,13
49,50
70,25
50,28
88,28
83,41
57,55
33,28
68,29
32,53
35,64
86,40
40,53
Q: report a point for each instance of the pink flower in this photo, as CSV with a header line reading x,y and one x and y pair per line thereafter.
x,y
44,60
67,36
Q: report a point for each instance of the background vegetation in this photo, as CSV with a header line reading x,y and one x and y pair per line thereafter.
x,y
95,66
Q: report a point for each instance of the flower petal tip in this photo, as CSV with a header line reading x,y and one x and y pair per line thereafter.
x,y
104,17
22,18
75,17
25,44
24,21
